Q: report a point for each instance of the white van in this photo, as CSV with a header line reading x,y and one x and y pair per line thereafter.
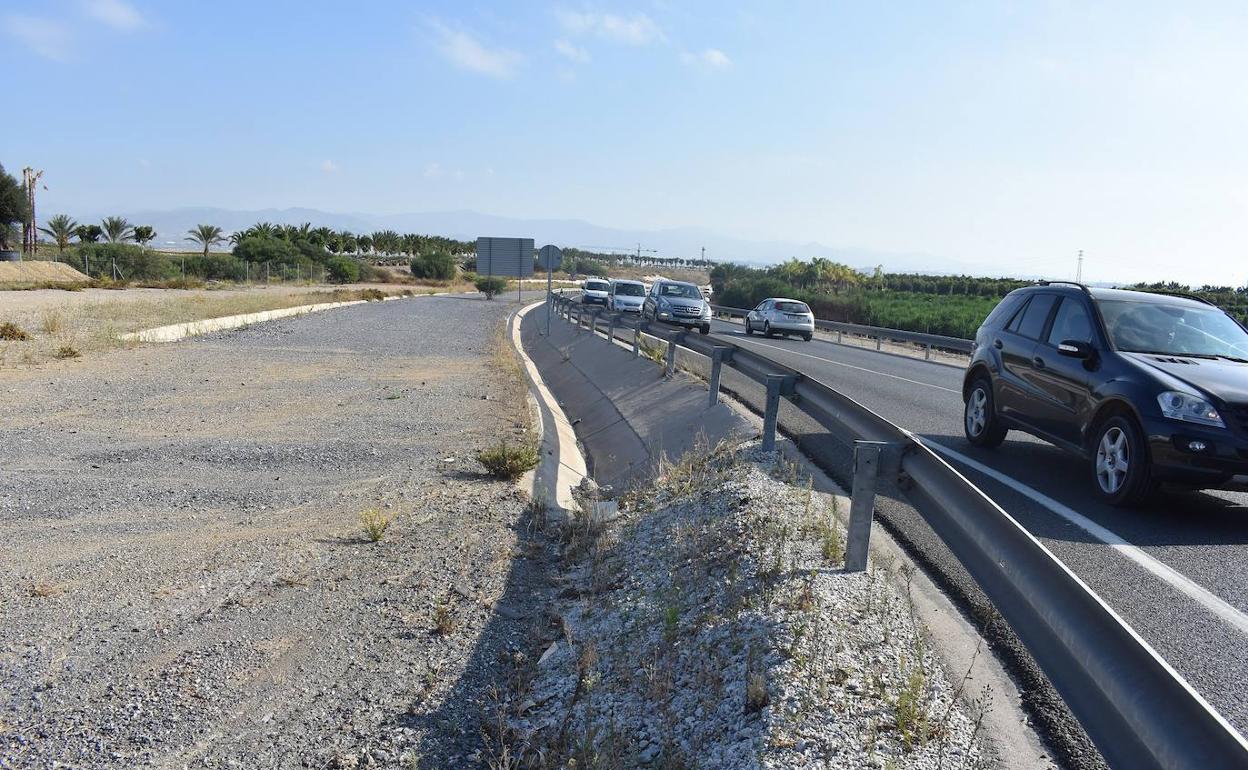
x,y
627,296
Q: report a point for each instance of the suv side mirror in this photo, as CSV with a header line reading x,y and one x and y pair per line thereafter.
x,y
1076,349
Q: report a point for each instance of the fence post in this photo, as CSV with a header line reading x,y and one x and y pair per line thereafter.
x,y
840,337
578,321
719,354
611,329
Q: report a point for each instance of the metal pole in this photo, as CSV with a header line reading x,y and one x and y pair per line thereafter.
x,y
927,352
611,329
862,503
637,339
549,299
670,367
771,412
578,321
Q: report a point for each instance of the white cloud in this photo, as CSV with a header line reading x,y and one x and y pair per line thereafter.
x,y
570,51
328,166
711,58
638,29
465,52
50,39
433,171
117,14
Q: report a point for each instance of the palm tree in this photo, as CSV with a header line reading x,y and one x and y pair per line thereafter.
x,y
144,234
117,229
88,233
205,235
364,243
60,228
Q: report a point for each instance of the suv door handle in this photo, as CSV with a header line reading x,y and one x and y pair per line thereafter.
x,y
1038,362
997,344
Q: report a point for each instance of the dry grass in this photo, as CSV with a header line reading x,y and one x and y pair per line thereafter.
x,y
13,333
66,352
444,617
45,590
509,461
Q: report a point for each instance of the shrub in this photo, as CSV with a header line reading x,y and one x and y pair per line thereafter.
x,y
215,267
13,333
263,248
372,295
490,285
67,351
134,263
342,269
509,462
437,265
375,522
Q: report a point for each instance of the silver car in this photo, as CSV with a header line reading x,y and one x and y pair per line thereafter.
x,y
778,315
626,296
679,303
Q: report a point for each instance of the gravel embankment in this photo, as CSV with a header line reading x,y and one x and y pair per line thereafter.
x,y
711,626
184,581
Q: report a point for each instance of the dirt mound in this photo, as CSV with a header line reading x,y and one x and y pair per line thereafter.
x,y
37,273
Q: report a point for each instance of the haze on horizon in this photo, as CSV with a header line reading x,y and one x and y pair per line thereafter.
x,y
1001,137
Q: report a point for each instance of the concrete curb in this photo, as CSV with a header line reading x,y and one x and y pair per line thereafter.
x,y
562,466
175,332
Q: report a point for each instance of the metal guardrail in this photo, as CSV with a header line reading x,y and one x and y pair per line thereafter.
x,y
1140,713
878,333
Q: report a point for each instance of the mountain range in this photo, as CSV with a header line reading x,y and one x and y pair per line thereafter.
x,y
171,226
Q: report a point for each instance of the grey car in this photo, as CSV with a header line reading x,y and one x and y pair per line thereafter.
x,y
679,303
778,315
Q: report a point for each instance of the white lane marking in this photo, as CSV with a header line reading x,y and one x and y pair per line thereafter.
x,y
1176,580
859,368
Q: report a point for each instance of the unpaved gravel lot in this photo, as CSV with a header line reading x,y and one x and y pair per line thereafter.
x,y
183,578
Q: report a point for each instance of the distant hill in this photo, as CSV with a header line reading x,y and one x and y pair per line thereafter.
x,y
171,226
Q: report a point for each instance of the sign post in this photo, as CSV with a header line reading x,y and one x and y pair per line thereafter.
x,y
511,257
550,256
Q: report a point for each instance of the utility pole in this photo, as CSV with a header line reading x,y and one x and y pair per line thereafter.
x,y
703,256
30,231
1079,268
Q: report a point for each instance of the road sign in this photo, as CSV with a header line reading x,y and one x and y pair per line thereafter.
x,y
511,257
550,257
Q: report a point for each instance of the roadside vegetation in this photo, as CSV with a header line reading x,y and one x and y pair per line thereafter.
x,y
933,304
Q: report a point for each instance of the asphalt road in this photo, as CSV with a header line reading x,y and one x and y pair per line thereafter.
x,y
1175,570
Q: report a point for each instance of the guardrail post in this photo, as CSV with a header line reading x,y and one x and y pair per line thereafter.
x,y
578,321
840,336
878,341
927,352
719,354
873,460
670,367
637,330
611,328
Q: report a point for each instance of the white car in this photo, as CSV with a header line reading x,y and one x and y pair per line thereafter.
x,y
627,296
778,315
594,291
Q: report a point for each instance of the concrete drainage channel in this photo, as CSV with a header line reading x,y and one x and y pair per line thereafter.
x,y
1134,706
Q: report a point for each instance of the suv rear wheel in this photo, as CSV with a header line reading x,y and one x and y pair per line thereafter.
x,y
1120,466
980,421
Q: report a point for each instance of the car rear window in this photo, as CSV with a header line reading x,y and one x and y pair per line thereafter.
x,y
630,289
792,307
1035,315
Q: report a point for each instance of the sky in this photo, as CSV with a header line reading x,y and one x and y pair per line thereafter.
x,y
1006,136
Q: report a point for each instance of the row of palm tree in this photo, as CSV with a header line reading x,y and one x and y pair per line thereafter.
x,y
62,228
388,243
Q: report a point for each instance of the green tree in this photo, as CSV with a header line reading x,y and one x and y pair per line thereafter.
x,y
342,269
206,236
144,234
60,229
14,207
437,265
88,233
262,248
117,229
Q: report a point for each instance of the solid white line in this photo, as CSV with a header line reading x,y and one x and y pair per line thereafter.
x,y
1179,582
859,368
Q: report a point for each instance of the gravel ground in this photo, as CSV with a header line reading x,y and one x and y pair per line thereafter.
x,y
184,580
710,626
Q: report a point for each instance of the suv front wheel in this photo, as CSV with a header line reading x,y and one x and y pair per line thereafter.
x,y
1120,466
980,421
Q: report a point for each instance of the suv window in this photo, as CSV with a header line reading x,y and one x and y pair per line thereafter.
x,y
1071,323
1035,315
1003,310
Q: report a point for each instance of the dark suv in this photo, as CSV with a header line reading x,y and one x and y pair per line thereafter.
x,y
1147,387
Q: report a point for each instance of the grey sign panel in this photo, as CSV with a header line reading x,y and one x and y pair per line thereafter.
x,y
511,257
550,257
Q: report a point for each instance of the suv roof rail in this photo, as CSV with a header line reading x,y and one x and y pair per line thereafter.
x,y
1168,293
1066,283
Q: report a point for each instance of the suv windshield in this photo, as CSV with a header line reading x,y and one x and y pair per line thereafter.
x,y
630,289
1177,330
792,307
597,285
679,290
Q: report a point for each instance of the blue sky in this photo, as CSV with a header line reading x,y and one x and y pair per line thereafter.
x,y
1005,135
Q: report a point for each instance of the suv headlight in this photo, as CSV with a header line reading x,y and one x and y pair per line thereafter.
x,y
1184,406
